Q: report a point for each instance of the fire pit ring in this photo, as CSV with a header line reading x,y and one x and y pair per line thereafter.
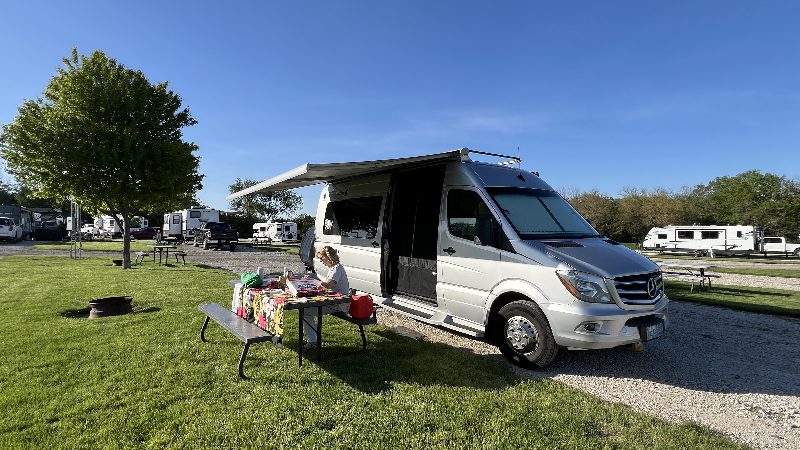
x,y
110,306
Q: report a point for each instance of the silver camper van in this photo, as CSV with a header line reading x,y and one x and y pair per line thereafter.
x,y
488,250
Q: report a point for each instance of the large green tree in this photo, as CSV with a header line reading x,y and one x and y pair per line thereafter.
x,y
264,206
106,137
767,200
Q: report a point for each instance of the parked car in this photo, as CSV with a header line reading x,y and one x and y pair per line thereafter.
x,y
217,234
49,234
144,233
9,230
91,230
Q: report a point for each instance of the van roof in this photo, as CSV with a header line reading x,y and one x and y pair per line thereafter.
x,y
311,174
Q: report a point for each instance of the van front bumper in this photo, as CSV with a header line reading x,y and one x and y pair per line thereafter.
x,y
598,326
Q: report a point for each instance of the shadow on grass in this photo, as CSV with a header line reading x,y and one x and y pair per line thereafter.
x,y
391,358
83,313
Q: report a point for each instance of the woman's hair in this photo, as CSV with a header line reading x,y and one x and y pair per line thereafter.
x,y
330,252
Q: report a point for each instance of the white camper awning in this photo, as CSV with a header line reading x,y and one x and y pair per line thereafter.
x,y
311,174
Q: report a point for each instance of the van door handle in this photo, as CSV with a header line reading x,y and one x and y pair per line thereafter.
x,y
375,244
449,250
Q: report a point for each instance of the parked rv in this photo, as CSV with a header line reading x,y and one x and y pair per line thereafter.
x,y
264,232
772,244
22,217
181,225
489,250
109,226
705,240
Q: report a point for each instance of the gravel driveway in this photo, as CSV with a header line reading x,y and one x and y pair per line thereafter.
x,y
732,371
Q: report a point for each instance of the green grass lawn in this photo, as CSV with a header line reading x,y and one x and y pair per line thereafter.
x,y
145,380
759,300
105,246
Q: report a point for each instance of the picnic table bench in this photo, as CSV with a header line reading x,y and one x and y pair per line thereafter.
x,y
182,255
685,277
242,329
140,256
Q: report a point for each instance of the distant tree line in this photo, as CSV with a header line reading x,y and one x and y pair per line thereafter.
x,y
769,201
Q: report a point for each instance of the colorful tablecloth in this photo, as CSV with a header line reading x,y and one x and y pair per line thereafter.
x,y
265,308
259,306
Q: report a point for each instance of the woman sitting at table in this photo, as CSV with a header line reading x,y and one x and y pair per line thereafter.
x,y
336,281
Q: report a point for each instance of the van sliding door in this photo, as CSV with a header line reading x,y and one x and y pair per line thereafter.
x,y
410,243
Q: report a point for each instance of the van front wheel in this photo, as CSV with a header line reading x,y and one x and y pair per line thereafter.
x,y
524,336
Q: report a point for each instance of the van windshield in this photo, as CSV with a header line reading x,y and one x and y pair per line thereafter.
x,y
540,214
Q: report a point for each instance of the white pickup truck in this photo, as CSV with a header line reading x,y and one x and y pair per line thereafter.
x,y
779,245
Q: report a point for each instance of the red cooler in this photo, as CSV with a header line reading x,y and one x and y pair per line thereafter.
x,y
360,306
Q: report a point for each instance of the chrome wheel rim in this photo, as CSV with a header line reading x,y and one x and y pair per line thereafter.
x,y
520,334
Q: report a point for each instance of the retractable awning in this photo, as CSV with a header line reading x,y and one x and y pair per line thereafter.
x,y
311,174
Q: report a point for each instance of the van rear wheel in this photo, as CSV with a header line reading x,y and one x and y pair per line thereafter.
x,y
523,335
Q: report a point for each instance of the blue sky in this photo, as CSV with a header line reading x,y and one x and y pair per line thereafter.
x,y
596,94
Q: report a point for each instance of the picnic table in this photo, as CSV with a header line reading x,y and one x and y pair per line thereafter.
x,y
161,248
687,271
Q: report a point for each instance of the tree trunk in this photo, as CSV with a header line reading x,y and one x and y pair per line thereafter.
x,y
126,238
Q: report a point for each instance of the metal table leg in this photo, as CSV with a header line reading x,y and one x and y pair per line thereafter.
x,y
203,330
300,338
319,334
241,362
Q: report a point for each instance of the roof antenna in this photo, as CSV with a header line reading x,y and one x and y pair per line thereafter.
x,y
519,166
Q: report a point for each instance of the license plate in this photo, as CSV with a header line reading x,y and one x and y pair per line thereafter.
x,y
651,332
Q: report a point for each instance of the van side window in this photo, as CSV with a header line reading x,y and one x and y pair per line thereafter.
x,y
685,234
354,217
662,236
709,235
176,220
468,217
194,214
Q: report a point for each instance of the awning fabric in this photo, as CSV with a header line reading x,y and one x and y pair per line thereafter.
x,y
311,174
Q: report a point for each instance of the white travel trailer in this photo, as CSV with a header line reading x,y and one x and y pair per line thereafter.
x,y
108,226
274,232
181,224
483,249
702,240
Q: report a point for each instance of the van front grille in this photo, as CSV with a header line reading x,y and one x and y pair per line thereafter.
x,y
643,289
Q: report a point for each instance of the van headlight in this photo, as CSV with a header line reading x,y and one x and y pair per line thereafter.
x,y
586,287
